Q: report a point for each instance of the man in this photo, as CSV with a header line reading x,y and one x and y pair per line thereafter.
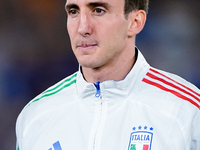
x,y
116,101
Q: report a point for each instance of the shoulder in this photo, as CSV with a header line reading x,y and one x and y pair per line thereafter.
x,y
64,85
171,88
173,97
50,99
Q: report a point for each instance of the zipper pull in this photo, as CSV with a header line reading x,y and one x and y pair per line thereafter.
x,y
98,92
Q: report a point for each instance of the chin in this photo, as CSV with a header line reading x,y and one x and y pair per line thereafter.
x,y
88,66
86,62
91,65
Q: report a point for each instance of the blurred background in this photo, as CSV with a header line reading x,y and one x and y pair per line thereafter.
x,y
35,51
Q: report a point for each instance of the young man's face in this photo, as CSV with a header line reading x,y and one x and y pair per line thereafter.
x,y
98,31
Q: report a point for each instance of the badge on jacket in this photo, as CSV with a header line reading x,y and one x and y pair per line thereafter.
x,y
141,138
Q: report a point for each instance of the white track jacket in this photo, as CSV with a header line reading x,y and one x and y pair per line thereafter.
x,y
149,110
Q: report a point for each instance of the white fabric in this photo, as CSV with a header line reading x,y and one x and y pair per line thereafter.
x,y
130,114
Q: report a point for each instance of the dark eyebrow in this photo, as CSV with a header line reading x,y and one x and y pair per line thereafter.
x,y
95,4
69,6
92,4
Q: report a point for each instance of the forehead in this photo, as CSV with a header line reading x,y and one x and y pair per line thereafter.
x,y
86,2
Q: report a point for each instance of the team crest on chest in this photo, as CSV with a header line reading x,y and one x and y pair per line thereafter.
x,y
141,138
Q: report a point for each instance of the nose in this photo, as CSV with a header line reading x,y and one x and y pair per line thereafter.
x,y
84,25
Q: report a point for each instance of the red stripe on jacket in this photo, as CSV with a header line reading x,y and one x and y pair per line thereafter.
x,y
167,83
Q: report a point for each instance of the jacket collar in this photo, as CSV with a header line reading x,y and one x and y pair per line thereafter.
x,y
111,88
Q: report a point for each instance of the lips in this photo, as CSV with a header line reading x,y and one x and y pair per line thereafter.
x,y
86,45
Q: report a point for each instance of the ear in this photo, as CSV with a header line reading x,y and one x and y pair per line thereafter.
x,y
137,21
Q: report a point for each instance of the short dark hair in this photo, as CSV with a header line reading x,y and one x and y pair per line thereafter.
x,y
131,5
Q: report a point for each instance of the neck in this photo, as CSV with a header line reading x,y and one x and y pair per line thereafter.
x,y
117,70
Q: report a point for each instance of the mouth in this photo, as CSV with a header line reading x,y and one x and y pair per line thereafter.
x,y
85,45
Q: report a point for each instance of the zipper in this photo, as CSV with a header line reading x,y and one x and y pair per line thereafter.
x,y
99,112
98,90
99,120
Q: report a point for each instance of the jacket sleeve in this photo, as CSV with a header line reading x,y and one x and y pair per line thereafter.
x,y
196,132
19,130
17,147
17,135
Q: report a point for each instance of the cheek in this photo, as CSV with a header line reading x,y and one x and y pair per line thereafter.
x,y
114,30
71,27
71,32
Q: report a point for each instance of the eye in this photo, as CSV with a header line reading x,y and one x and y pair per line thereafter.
x,y
99,11
72,12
